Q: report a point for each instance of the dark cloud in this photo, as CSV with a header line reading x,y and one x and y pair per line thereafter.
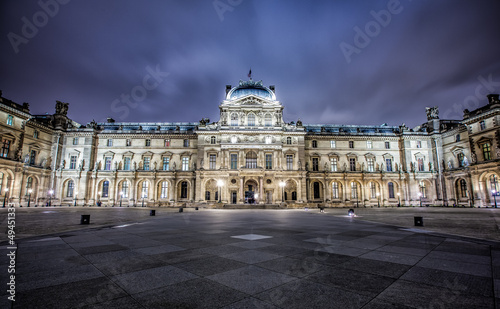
x,y
90,53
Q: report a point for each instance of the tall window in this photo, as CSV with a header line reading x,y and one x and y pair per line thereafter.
x,y
373,190
370,164
390,187
289,140
269,140
369,144
316,190
335,189
269,161
352,164
420,163
212,162
423,190
128,142
388,164
207,195
29,184
314,144
457,138
213,140
166,163
494,182
251,160
1,183
148,143
105,189
124,189
251,120
234,161
164,189
418,144
145,189
351,144
32,157
387,145
126,164
234,119
110,142
186,143
146,163
486,151
185,163
75,141
333,144
463,188
354,190
460,158
167,142
482,125
268,120
184,189
5,148
107,163
289,162
10,120
333,164
72,162
70,189
315,164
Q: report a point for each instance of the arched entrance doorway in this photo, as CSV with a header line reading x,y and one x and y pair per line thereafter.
x,y
251,191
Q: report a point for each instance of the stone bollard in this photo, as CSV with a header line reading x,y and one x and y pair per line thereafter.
x,y
85,219
152,212
180,209
419,221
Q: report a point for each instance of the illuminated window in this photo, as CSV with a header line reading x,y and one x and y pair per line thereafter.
x,y
486,151
333,164
370,164
164,189
70,189
105,188
10,120
110,142
390,187
144,189
354,190
125,189
166,163
251,120
107,163
369,144
335,189
333,144
146,162
388,164
251,160
185,164
212,162
126,164
482,125
420,163
289,162
72,162
75,141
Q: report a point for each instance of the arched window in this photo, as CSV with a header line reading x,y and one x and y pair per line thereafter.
x,y
373,190
105,189
423,189
164,189
316,190
124,189
251,120
207,195
463,188
289,140
184,189
70,189
494,183
335,189
390,187
212,140
268,120
29,185
354,190
144,189
234,119
251,160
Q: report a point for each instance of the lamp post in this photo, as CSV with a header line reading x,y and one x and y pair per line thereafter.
x,y
50,196
5,196
399,199
220,183
282,185
121,197
143,196
99,199
378,199
420,197
29,196
494,193
76,196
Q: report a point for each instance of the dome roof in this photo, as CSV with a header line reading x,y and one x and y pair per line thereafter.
x,y
250,88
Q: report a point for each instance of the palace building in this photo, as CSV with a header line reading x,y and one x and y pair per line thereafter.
x,y
251,155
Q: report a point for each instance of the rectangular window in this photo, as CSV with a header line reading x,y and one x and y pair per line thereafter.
x,y
146,163
351,144
212,162
418,144
166,163
354,190
269,161
186,143
110,142
125,189
315,162
107,163
167,143
482,125
289,162
487,151
370,164
128,142
105,189
387,145
352,164
32,157
234,161
126,164
164,190
333,164
369,144
388,164
457,138
35,134
148,143
333,144
391,189
373,190
335,190
5,148
185,164
72,162
75,141
10,120
420,163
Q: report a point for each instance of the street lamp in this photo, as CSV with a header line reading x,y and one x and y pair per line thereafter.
x,y
143,197
399,199
99,199
494,193
5,197
29,196
420,197
378,200
220,183
76,196
282,185
121,197
50,196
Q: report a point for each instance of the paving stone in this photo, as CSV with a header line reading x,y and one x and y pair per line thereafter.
x,y
455,266
392,257
292,267
252,244
387,269
209,266
250,303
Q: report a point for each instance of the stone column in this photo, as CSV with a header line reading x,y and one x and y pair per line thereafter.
x,y
261,190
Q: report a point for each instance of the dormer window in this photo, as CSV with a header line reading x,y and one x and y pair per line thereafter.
x,y
482,125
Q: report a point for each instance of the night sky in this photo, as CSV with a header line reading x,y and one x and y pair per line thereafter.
x,y
333,62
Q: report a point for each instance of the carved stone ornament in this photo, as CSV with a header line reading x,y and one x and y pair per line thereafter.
x,y
432,113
